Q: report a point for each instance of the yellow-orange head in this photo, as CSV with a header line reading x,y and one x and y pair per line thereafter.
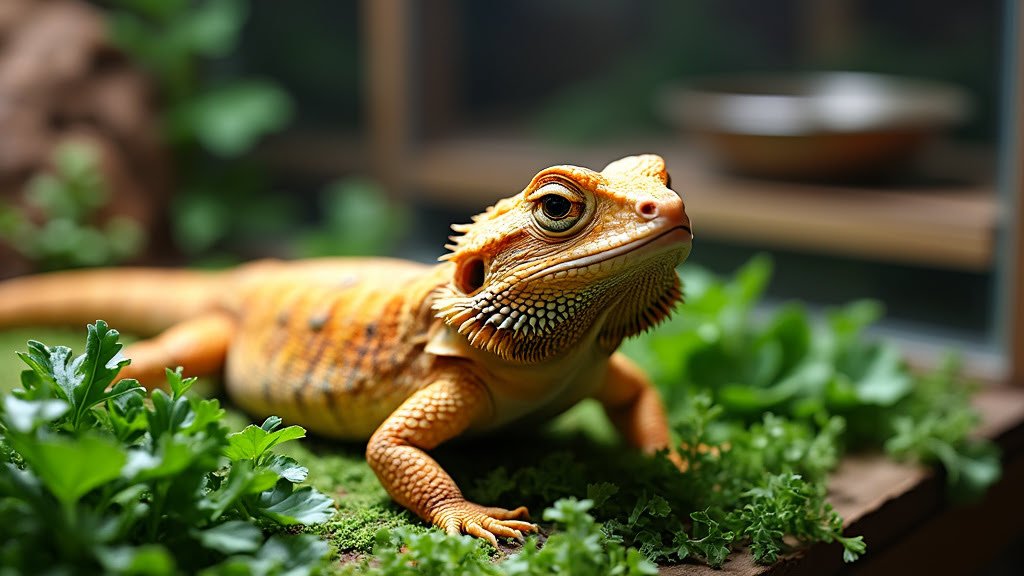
x,y
574,251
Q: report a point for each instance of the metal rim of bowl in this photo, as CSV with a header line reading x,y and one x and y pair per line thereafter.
x,y
813,103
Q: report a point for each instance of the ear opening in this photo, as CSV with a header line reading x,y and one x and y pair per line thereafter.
x,y
470,275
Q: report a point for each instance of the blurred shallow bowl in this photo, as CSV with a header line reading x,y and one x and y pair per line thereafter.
x,y
821,126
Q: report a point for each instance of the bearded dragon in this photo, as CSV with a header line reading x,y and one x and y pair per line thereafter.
x,y
520,321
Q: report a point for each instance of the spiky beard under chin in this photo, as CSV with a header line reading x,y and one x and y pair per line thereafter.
x,y
531,326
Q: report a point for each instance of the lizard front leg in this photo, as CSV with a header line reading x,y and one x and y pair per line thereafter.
x,y
442,410
635,408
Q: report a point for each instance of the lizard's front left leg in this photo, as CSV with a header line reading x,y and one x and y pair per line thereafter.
x,y
442,410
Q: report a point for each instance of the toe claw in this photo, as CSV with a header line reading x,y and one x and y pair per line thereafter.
x,y
499,528
521,526
463,517
474,529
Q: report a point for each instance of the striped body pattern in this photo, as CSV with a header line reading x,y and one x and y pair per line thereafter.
x,y
336,345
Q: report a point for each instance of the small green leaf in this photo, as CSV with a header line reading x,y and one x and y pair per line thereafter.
x,y
145,560
849,321
98,366
271,423
229,120
26,415
658,506
853,547
303,506
126,413
884,379
231,537
709,540
752,279
293,555
287,468
253,442
242,481
600,493
168,415
212,27
46,363
245,444
206,413
179,385
170,459
72,468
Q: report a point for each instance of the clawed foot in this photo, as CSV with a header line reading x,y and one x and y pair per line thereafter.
x,y
462,517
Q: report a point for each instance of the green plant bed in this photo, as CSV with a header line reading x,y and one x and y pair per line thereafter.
x,y
762,410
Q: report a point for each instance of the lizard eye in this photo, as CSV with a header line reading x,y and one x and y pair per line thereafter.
x,y
555,207
559,210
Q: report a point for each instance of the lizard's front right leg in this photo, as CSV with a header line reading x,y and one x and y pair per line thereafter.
x,y
442,410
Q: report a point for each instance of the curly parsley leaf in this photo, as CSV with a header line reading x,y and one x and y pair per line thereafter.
x,y
81,381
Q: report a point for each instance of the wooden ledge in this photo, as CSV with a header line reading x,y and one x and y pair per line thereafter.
x,y
903,513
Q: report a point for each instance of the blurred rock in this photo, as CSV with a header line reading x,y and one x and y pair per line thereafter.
x,y
61,79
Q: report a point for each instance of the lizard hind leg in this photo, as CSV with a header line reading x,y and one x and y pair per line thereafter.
x,y
199,345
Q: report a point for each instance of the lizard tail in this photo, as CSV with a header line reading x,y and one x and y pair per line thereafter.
x,y
140,300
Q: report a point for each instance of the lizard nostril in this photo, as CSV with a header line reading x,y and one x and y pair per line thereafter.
x,y
647,208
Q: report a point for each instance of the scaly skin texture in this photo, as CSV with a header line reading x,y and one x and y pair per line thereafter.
x,y
519,322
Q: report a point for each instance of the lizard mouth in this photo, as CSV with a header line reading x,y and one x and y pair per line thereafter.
x,y
677,237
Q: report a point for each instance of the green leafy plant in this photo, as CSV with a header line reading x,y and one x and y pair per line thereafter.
x,y
934,424
790,365
578,547
66,201
95,478
762,485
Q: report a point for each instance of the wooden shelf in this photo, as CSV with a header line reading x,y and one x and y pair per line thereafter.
x,y
945,226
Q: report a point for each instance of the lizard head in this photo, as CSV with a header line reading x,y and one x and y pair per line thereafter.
x,y
576,250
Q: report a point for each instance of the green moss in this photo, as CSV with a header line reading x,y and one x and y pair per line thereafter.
x,y
364,507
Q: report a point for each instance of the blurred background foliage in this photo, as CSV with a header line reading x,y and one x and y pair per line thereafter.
x,y
284,141
172,40
67,200
227,206
213,115
346,129
283,137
